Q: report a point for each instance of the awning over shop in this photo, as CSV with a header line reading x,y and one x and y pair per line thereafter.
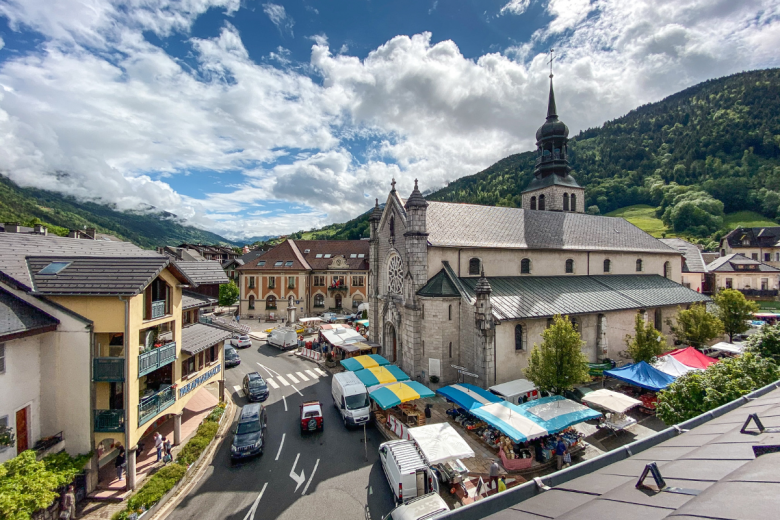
x,y
670,365
691,357
380,375
611,401
731,348
342,336
441,443
511,421
396,393
360,362
642,375
468,396
556,413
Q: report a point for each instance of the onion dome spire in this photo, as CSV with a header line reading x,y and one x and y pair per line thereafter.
x,y
416,200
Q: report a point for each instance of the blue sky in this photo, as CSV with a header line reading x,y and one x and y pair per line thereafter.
x,y
254,118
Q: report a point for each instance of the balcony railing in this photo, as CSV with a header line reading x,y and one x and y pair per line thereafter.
x,y
158,357
342,287
108,369
109,420
158,309
761,293
151,406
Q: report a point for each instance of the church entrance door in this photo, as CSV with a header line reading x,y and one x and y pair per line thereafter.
x,y
390,341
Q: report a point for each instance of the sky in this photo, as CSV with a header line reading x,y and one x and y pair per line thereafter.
x,y
251,118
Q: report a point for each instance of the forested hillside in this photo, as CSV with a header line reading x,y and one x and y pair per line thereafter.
x,y
61,213
709,150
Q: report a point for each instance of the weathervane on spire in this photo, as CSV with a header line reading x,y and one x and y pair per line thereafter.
x,y
551,54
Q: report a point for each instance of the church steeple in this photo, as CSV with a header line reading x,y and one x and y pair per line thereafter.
x,y
551,110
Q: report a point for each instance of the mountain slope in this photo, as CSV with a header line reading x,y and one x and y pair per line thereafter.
x,y
61,213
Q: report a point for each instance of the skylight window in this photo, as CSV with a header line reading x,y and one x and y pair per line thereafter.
x,y
353,256
319,255
288,263
327,256
307,250
361,255
261,263
279,263
54,268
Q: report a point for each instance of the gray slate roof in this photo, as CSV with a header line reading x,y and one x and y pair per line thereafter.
x,y
707,453
205,272
754,237
190,300
694,262
552,180
469,225
18,318
726,264
522,297
197,337
15,247
99,276
439,286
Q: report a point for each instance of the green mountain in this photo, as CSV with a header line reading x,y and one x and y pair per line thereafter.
x,y
61,213
696,156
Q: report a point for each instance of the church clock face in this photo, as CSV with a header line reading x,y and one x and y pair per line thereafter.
x,y
395,275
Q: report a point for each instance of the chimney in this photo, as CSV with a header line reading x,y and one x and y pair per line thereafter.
x,y
73,233
91,232
40,229
11,227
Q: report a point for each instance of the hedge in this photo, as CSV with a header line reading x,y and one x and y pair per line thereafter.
x,y
192,450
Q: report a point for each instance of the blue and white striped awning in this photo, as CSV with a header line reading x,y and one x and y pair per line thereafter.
x,y
468,396
510,420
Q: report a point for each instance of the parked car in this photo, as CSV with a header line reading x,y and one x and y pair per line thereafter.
x,y
329,317
425,507
283,338
577,393
232,358
241,341
255,387
350,397
311,416
407,470
249,434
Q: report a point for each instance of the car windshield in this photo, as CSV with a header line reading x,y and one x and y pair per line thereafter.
x,y
244,338
248,427
357,401
256,383
231,353
311,414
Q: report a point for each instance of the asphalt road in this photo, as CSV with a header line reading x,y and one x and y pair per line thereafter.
x,y
321,475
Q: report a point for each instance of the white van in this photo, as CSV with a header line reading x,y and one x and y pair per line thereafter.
x,y
350,396
425,507
283,338
518,391
407,470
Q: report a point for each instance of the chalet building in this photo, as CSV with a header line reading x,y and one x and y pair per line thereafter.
x,y
314,276
694,269
756,280
231,266
758,243
198,252
475,286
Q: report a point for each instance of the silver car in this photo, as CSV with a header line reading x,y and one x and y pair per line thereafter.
x,y
241,341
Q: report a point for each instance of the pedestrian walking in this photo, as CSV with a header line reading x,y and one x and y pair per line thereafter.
x,y
502,484
119,462
158,441
494,471
168,457
69,502
560,451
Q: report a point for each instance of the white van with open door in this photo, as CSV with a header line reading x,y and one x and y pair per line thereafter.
x,y
406,470
351,398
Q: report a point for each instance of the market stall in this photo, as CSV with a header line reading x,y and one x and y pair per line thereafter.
x,y
443,446
362,326
360,362
346,340
670,365
615,406
394,399
510,420
641,375
729,348
556,413
467,396
380,375
691,357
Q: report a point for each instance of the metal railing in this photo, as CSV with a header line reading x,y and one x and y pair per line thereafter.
x,y
109,420
108,369
342,287
151,406
761,293
158,309
48,442
158,357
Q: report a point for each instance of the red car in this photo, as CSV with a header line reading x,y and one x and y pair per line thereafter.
x,y
311,416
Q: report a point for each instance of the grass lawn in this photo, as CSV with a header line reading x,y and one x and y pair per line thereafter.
x,y
745,219
643,217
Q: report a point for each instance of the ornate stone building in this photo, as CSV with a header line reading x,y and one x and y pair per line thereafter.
x,y
475,286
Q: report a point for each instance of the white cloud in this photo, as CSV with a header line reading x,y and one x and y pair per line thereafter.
x,y
279,17
515,7
2,43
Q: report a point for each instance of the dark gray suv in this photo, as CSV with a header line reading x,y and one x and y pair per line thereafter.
x,y
249,435
255,387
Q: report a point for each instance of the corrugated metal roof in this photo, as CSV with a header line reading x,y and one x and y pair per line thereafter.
x,y
19,317
439,286
198,336
206,272
190,300
694,263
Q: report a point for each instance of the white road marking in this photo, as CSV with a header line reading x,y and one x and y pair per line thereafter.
x,y
280,447
272,383
298,478
299,392
320,372
312,374
269,370
285,403
250,515
282,380
292,378
303,377
310,476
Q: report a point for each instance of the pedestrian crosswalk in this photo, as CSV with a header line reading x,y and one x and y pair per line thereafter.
x,y
277,380
293,379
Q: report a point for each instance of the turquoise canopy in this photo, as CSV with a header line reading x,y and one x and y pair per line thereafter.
x,y
380,375
556,413
367,361
396,393
468,396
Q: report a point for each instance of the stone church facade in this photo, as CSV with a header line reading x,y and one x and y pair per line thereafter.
x,y
475,286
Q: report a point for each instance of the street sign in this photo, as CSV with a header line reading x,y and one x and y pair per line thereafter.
x,y
457,367
468,374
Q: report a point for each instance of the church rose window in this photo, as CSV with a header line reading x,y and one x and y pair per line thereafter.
x,y
474,266
395,276
569,266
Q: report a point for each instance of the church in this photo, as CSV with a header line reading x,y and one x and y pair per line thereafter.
x,y
469,288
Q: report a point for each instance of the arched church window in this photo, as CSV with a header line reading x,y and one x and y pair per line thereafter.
x,y
607,265
667,270
569,266
525,266
392,226
270,303
319,300
574,323
450,348
251,302
557,153
395,275
449,314
573,204
541,202
565,202
533,202
638,265
474,265
519,338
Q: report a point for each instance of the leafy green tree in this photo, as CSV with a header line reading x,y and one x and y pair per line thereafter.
x,y
696,326
647,343
559,363
228,294
734,311
6,436
698,392
364,316
766,342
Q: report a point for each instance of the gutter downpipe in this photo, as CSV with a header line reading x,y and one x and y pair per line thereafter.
x,y
588,263
126,395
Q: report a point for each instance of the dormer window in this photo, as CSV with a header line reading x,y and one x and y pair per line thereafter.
x,y
318,255
327,255
306,250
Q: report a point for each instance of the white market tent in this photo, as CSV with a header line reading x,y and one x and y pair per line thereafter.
x,y
729,347
342,336
440,443
670,365
310,320
611,401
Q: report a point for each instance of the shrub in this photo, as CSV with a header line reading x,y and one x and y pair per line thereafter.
x,y
434,379
216,413
192,450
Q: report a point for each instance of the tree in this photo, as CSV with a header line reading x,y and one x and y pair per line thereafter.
x,y
558,364
647,342
228,294
766,342
696,326
734,311
364,315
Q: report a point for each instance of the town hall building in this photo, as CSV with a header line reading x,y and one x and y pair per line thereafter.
x,y
463,285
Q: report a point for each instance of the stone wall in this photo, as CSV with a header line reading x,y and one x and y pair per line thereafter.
x,y
553,198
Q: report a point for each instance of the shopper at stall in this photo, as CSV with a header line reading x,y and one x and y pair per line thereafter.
x,y
494,470
502,484
560,451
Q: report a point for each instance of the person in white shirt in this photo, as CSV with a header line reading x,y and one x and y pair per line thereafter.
x,y
158,442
